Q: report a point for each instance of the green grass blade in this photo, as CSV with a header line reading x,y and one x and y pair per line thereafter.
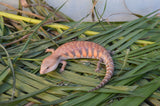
x,y
144,91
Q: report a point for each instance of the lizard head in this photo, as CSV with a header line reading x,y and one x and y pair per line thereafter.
x,y
50,63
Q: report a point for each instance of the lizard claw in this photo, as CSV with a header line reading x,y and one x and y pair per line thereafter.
x,y
97,70
61,70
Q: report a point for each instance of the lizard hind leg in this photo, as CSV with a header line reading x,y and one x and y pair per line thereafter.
x,y
64,63
98,65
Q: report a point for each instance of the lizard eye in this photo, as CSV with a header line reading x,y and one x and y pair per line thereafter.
x,y
47,68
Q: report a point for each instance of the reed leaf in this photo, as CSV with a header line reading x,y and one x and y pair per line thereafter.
x,y
134,46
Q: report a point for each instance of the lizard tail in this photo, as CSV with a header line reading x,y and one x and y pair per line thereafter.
x,y
110,69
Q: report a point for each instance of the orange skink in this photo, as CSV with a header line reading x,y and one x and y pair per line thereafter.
x,y
75,50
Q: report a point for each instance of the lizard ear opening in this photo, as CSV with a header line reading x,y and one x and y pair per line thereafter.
x,y
50,50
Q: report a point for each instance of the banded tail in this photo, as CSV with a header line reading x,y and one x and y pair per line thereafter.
x,y
109,70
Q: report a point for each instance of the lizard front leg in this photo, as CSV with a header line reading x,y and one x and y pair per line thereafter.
x,y
64,63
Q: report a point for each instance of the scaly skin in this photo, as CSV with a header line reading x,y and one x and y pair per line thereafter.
x,y
79,49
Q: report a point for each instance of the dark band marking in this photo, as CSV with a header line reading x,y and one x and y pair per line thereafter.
x,y
86,51
80,51
92,49
73,53
66,54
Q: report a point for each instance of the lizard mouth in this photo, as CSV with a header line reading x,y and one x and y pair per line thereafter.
x,y
44,71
